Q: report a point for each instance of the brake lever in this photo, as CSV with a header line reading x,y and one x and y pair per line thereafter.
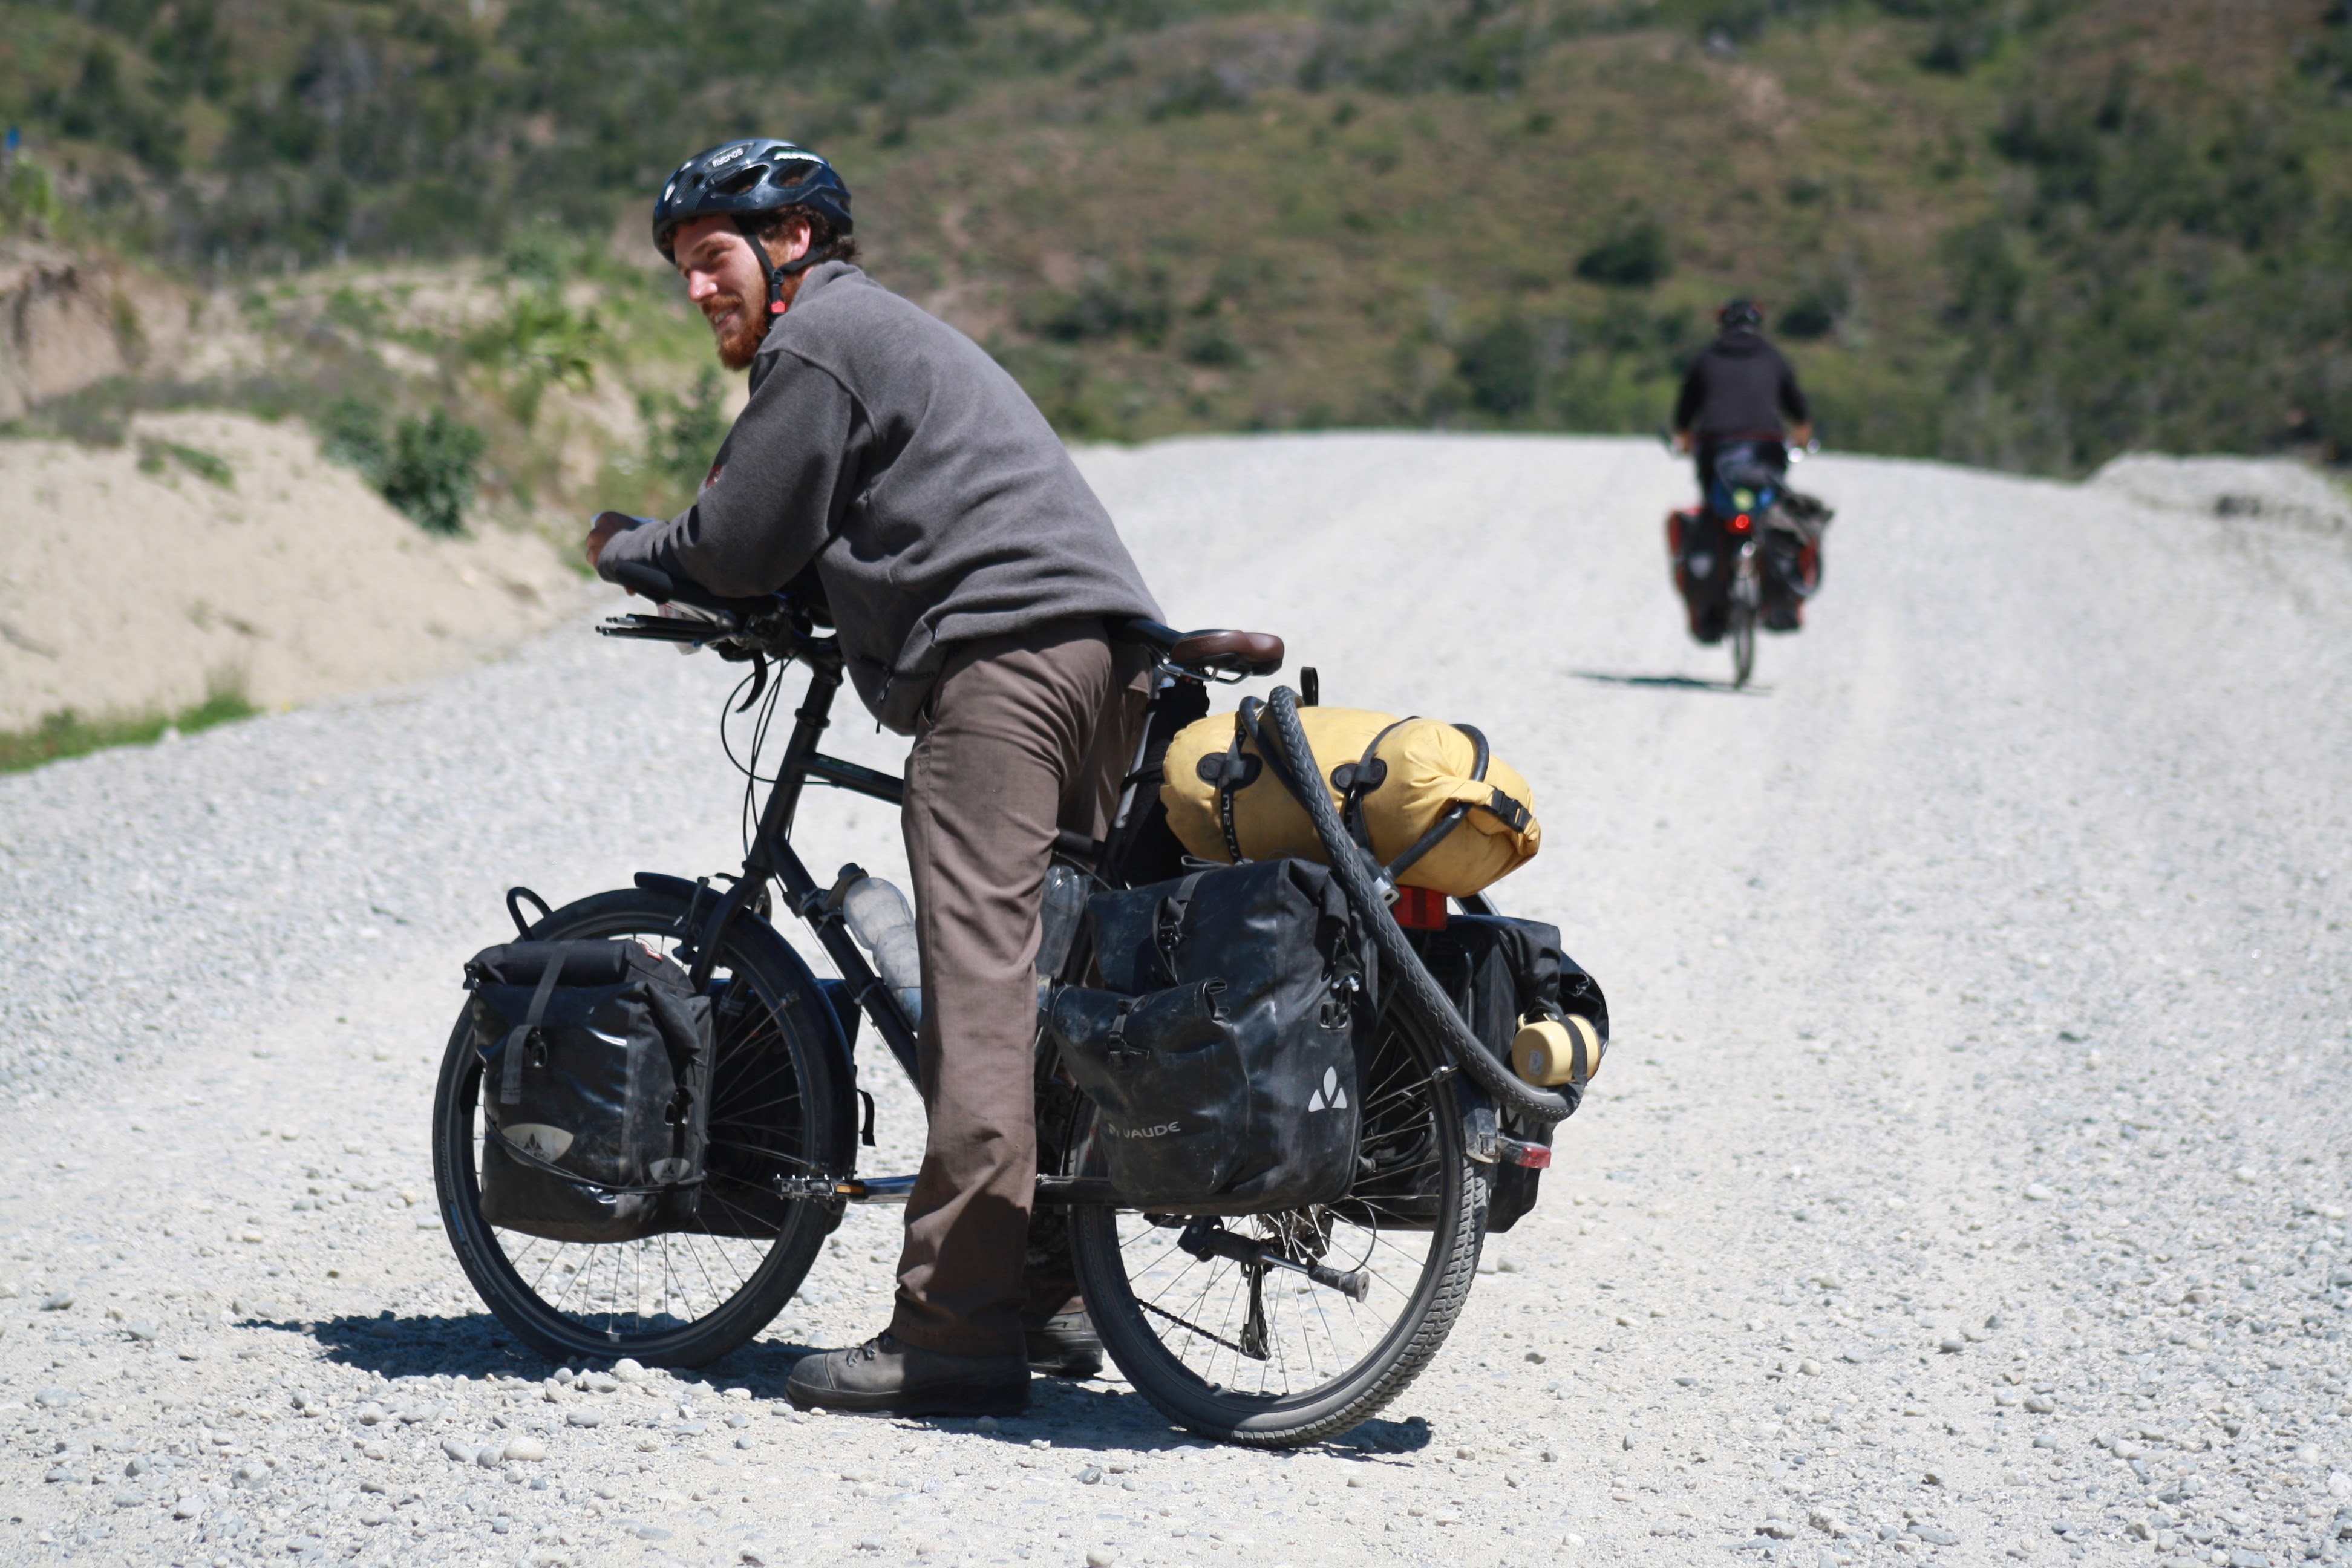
x,y
759,682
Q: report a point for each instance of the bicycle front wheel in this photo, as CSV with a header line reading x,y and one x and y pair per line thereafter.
x,y
1268,1357
686,1298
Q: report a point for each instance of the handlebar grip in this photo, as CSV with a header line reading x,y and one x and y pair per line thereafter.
x,y
651,582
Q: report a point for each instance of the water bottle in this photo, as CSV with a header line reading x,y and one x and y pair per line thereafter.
x,y
1057,924
884,925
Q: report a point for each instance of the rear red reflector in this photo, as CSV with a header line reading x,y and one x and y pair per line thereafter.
x,y
1419,908
1742,524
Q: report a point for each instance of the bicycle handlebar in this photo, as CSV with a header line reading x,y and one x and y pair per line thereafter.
x,y
652,583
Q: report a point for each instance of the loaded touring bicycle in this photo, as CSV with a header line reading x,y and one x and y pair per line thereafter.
x,y
653,1173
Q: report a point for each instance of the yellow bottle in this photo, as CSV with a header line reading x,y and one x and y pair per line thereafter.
x,y
1550,1051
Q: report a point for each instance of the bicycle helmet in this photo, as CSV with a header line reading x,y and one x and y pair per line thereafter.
x,y
1737,315
743,180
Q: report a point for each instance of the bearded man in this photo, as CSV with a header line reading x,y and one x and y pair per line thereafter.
x,y
977,584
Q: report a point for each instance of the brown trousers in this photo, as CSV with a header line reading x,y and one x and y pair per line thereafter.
x,y
1023,736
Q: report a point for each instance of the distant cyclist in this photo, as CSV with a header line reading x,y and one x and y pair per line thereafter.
x,y
1741,408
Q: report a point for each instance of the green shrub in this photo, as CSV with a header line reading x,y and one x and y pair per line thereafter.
x,y
28,199
209,467
685,434
430,473
351,432
1502,367
1212,346
66,733
541,341
1633,258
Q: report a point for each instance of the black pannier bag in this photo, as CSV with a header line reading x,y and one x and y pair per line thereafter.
x,y
1500,972
1220,1047
596,1062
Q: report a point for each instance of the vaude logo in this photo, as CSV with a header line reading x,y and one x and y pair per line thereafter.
x,y
1162,1131
1330,1097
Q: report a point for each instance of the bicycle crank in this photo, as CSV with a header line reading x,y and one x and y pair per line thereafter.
x,y
1205,1238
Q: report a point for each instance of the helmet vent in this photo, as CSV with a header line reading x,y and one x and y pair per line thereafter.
x,y
792,173
739,180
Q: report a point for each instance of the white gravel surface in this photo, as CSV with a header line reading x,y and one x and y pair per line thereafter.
x,y
1968,1181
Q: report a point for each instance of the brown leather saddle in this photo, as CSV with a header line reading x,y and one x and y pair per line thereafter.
x,y
1211,653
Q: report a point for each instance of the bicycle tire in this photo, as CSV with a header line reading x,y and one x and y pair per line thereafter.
x,y
1743,621
764,1028
1426,1105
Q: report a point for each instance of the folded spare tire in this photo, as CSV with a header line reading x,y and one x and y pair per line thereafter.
x,y
1396,782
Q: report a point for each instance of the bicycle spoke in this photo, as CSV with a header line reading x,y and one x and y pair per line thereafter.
x,y
642,1295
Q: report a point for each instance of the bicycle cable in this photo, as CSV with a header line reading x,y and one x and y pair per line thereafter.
x,y
749,764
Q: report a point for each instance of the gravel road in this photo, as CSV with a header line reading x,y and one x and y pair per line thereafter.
x,y
1968,1182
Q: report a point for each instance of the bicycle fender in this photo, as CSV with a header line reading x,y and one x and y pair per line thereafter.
x,y
757,932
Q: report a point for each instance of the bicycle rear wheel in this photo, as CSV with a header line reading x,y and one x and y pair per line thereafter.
x,y
1266,1357
686,1298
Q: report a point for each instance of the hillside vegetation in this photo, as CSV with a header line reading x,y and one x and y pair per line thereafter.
x,y
2025,233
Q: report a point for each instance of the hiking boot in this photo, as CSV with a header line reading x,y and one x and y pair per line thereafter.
x,y
1065,1346
884,1377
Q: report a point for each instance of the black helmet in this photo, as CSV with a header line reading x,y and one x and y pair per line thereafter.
x,y
741,179
1739,314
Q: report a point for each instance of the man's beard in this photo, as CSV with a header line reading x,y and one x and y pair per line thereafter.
x,y
738,344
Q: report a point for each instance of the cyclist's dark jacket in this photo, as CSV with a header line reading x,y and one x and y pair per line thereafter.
x,y
1739,385
938,505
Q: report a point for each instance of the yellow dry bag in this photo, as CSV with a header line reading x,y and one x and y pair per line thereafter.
x,y
1397,782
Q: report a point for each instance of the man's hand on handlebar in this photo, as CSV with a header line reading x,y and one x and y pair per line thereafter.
x,y
600,529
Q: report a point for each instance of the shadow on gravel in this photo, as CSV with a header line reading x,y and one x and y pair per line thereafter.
x,y
1100,1416
1672,683
1061,1412
475,1344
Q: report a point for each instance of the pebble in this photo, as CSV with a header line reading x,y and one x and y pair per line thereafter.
x,y
54,1399
585,1416
2037,1193
524,1449
56,1302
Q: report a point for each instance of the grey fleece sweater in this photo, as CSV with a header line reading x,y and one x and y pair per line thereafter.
x,y
938,505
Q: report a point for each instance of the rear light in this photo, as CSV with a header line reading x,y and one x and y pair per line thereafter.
x,y
1419,908
1742,524
1527,1156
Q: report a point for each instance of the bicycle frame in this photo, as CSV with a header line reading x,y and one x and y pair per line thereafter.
x,y
772,858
